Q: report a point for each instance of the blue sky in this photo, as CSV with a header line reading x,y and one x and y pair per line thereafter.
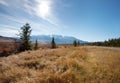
x,y
90,20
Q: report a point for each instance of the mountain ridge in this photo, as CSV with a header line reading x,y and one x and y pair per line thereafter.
x,y
44,39
59,39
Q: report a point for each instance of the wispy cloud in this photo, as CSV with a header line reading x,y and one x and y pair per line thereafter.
x,y
3,2
8,27
42,9
9,32
39,13
37,27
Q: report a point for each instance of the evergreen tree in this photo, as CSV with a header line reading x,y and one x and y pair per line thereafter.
x,y
78,43
36,45
25,37
53,44
75,43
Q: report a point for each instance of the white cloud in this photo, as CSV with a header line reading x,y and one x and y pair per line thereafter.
x,y
37,28
12,19
8,27
8,32
42,9
45,22
3,2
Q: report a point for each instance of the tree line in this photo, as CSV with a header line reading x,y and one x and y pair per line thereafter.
x,y
26,43
25,36
111,43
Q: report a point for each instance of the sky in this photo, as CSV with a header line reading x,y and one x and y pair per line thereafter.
x,y
89,20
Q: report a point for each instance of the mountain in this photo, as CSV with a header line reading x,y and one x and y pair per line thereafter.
x,y
8,44
8,39
46,39
43,39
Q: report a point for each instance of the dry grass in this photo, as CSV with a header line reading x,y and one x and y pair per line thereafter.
x,y
62,65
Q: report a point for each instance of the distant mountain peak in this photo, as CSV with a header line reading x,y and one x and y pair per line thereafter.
x,y
59,39
45,39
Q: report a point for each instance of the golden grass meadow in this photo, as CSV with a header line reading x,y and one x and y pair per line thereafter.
x,y
83,64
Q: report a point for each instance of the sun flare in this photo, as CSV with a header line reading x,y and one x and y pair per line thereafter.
x,y
44,8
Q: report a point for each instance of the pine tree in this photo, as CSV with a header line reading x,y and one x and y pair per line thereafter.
x,y
53,44
75,43
78,43
25,37
36,45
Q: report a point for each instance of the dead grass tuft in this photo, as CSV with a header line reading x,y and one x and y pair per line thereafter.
x,y
62,65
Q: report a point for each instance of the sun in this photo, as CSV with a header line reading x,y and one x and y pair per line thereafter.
x,y
43,8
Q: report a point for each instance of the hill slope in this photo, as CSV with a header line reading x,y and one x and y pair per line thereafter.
x,y
8,44
8,39
62,65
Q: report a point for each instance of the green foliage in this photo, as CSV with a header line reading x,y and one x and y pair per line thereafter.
x,y
36,45
110,42
25,37
53,44
75,43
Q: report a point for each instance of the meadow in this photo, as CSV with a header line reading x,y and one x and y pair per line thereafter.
x,y
65,64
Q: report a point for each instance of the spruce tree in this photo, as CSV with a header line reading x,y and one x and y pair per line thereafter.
x,y
25,37
36,45
53,44
75,43
78,43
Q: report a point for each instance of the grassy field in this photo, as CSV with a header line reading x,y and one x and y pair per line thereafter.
x,y
84,64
